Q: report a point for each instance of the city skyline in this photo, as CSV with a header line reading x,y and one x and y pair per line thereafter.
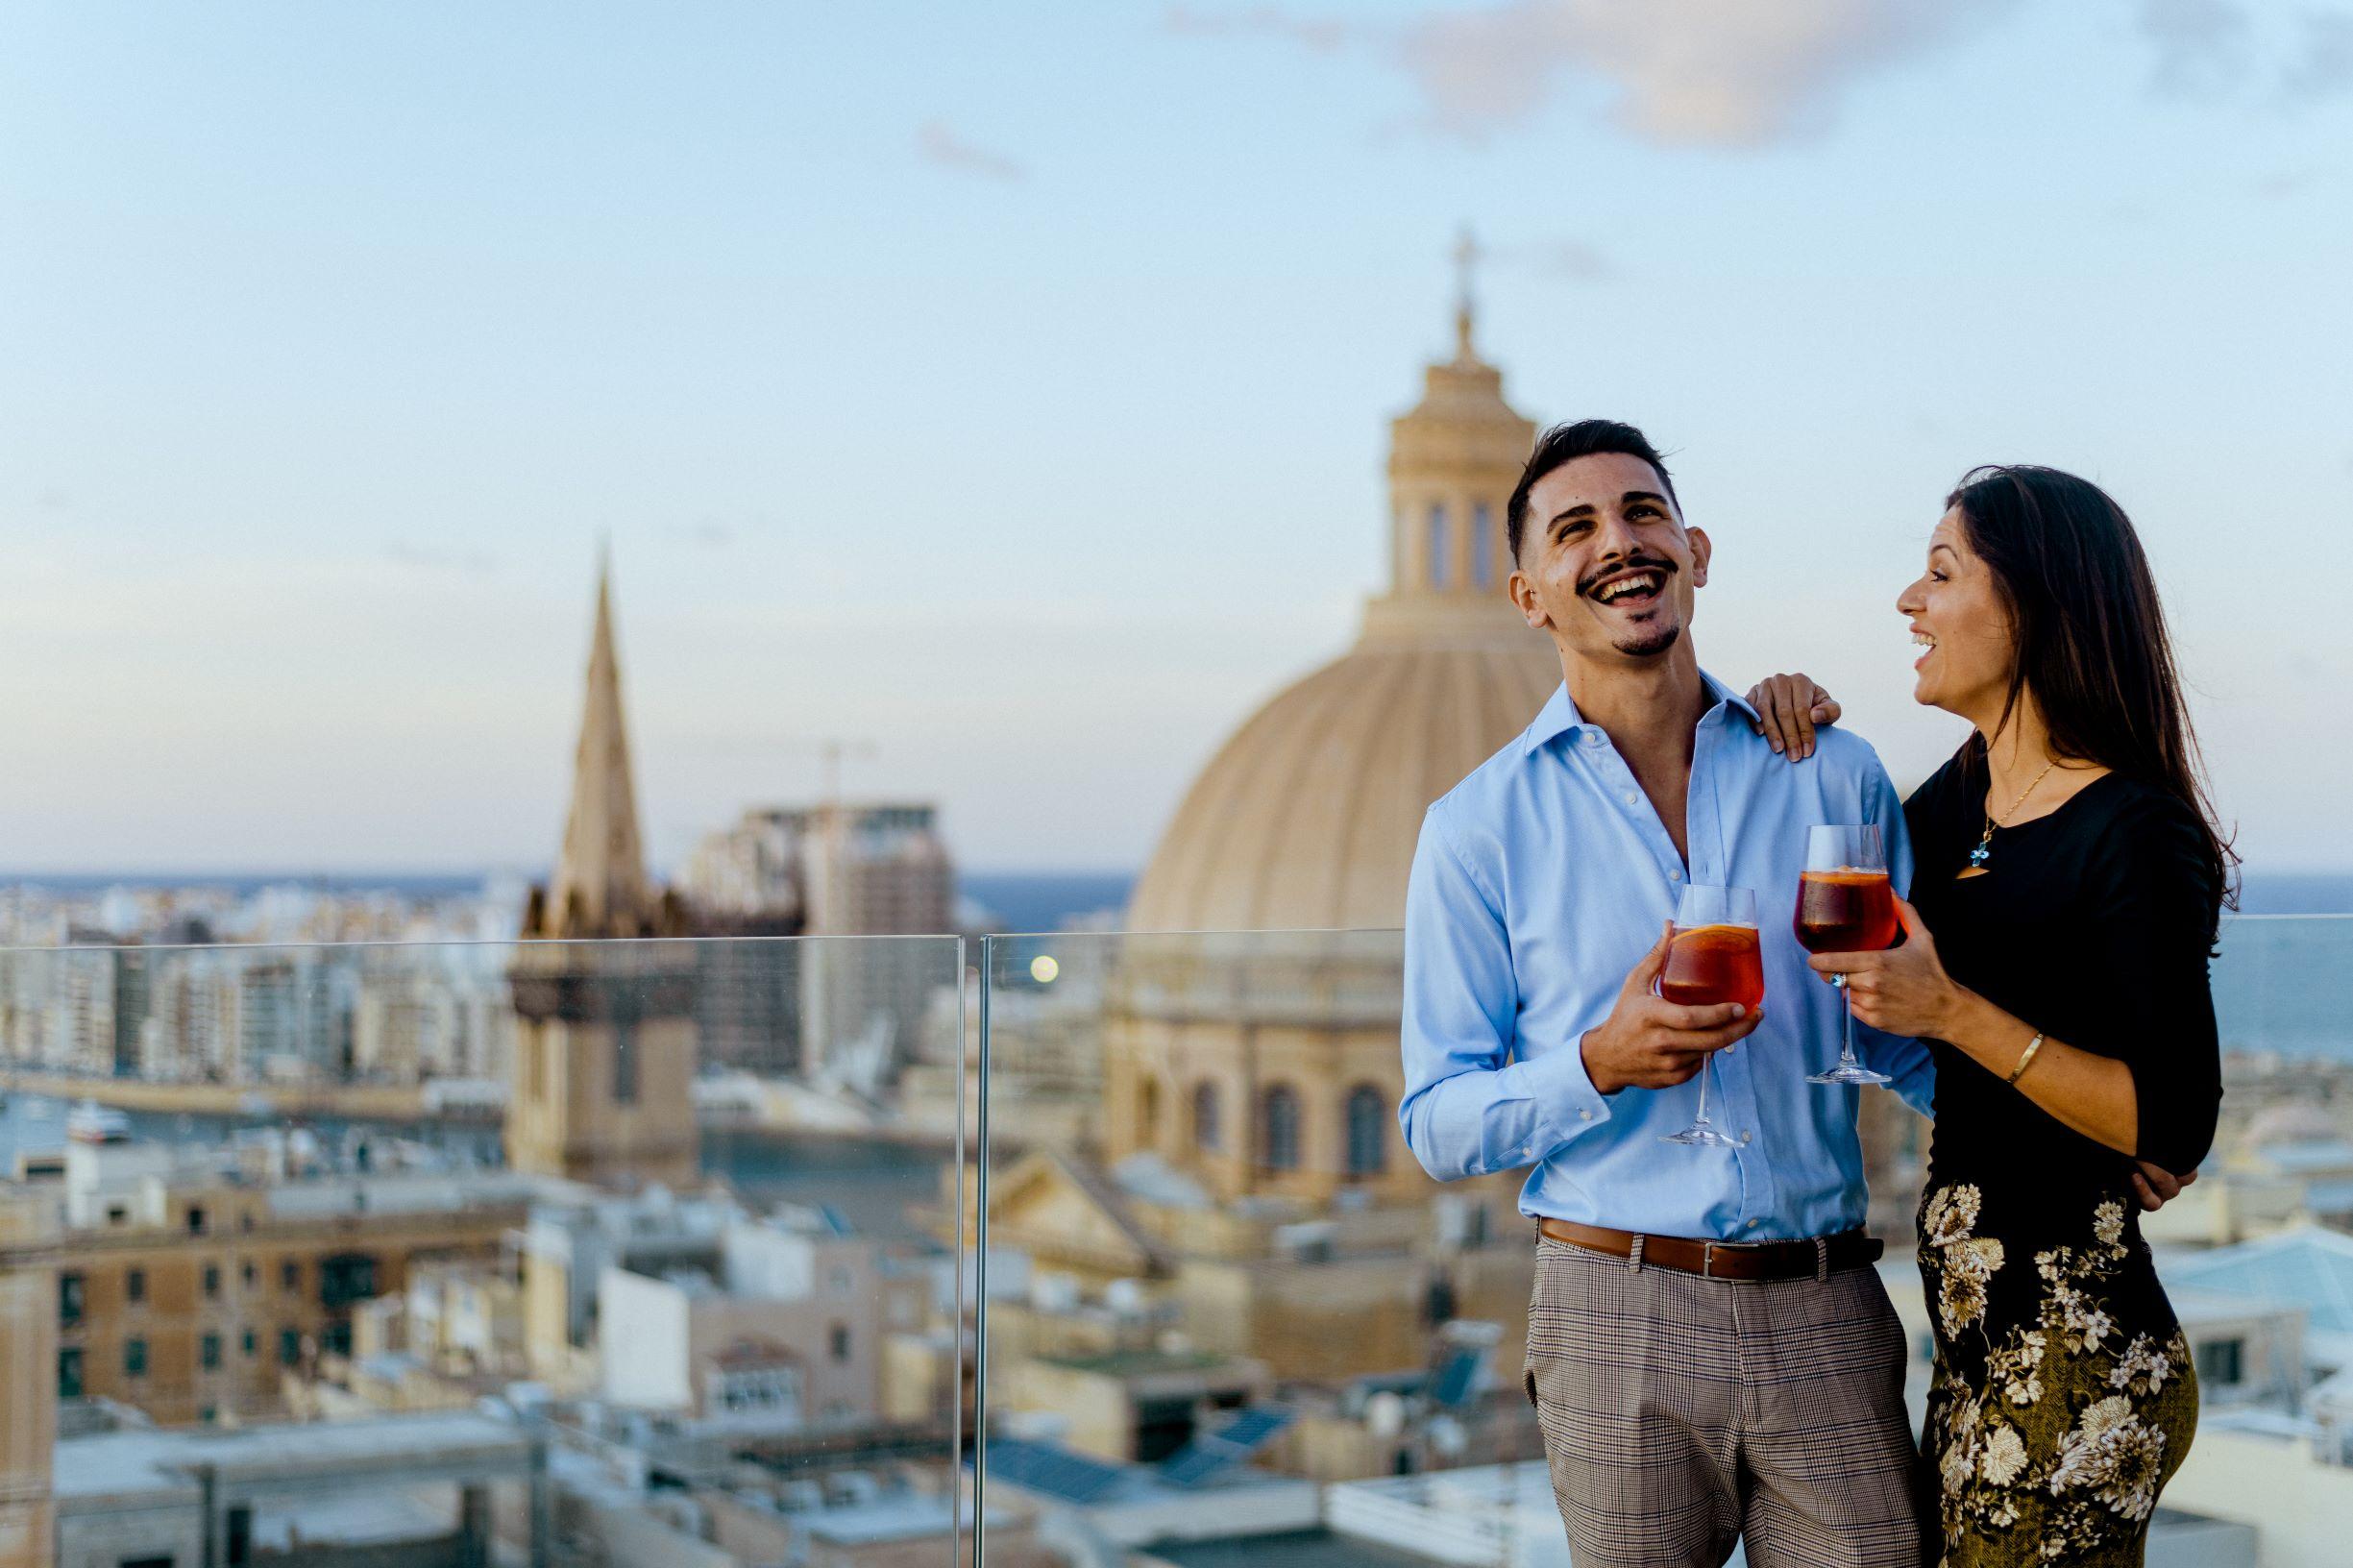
x,y
996,401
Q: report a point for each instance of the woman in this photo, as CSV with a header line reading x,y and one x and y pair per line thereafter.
x,y
2069,884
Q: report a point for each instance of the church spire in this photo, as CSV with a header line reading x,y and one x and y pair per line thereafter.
x,y
600,886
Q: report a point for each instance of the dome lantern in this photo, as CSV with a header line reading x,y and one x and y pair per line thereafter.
x,y
1306,817
1454,459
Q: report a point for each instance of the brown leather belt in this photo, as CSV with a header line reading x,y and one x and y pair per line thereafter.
x,y
1810,1259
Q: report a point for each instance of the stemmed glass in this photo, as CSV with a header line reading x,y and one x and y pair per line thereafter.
x,y
1844,905
1712,957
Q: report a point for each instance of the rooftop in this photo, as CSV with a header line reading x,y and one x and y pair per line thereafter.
x,y
910,1517
2308,1267
1138,1363
1317,1548
146,1460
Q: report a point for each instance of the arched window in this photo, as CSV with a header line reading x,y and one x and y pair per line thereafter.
x,y
1483,546
1440,549
1279,1128
1207,1132
1368,1114
1147,1112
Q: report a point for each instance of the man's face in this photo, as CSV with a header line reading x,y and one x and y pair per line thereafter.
x,y
1605,564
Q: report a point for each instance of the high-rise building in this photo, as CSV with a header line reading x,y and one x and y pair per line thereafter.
x,y
873,870
744,882
188,1034
604,1030
105,1003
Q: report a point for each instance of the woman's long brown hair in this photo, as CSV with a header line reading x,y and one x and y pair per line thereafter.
x,y
2090,635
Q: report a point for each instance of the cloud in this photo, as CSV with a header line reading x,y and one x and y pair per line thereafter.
x,y
2203,46
709,533
2212,48
1571,259
1323,36
1677,72
431,559
2323,66
942,146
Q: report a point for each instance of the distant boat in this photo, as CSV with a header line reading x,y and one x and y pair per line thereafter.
x,y
90,1122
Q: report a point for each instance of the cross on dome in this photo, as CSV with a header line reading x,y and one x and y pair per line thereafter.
x,y
1467,255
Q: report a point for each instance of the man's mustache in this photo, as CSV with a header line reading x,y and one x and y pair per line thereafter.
x,y
1633,563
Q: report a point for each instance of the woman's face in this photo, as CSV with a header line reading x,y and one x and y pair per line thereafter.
x,y
1967,641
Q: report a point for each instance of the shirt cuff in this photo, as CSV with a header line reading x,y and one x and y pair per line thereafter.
x,y
1567,1104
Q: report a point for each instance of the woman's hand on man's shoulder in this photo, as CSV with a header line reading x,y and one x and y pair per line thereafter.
x,y
1789,709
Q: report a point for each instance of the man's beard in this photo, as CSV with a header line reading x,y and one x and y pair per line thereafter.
x,y
1651,644
1647,644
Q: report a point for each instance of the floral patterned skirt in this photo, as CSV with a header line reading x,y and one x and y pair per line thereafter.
x,y
2063,1396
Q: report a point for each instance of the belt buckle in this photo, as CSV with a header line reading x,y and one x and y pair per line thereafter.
x,y
1707,1259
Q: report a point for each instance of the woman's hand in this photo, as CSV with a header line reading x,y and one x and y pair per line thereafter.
x,y
1902,991
1791,707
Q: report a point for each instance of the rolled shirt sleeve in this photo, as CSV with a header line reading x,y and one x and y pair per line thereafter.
x,y
1478,1099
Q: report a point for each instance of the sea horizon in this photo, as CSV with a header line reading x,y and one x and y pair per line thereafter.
x,y
2264,890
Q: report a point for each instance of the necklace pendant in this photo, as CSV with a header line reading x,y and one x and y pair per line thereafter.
x,y
1981,854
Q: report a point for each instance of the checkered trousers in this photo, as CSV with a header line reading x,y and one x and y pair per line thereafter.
x,y
1683,1413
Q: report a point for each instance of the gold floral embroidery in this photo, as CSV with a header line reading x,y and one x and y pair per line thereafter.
x,y
1970,1263
2142,1368
2061,1449
2115,1456
2005,1456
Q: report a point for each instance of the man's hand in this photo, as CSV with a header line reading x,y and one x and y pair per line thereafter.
x,y
2156,1187
1649,1043
1791,707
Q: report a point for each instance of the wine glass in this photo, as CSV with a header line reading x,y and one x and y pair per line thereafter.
x,y
1712,957
1844,905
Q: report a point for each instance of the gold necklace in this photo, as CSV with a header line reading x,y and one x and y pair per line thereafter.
x,y
1984,851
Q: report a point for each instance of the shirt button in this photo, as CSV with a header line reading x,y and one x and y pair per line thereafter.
x,y
1593,737
1730,1049
1751,1224
1584,1116
1632,799
1744,1138
1674,876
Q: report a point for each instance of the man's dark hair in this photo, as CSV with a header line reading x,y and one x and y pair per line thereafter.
x,y
1566,444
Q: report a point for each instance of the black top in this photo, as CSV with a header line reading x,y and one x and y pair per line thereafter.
x,y
2091,925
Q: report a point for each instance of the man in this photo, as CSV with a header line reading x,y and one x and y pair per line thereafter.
x,y
1710,1352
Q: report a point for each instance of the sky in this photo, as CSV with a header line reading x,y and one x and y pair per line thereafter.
x,y
1004,389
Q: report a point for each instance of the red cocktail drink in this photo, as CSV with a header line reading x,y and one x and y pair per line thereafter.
x,y
1710,964
1846,912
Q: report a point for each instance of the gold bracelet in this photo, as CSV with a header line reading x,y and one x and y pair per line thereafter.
x,y
2026,1058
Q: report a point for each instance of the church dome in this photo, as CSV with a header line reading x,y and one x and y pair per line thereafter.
x,y
1306,817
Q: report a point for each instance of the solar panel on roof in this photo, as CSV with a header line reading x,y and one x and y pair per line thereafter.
x,y
1458,1378
1219,1450
1041,1467
1254,1425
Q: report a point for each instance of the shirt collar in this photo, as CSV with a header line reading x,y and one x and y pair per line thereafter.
x,y
1559,716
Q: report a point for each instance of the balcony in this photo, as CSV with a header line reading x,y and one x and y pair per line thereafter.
x,y
1106,1240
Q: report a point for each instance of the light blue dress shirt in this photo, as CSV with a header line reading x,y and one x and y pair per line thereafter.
x,y
1540,882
